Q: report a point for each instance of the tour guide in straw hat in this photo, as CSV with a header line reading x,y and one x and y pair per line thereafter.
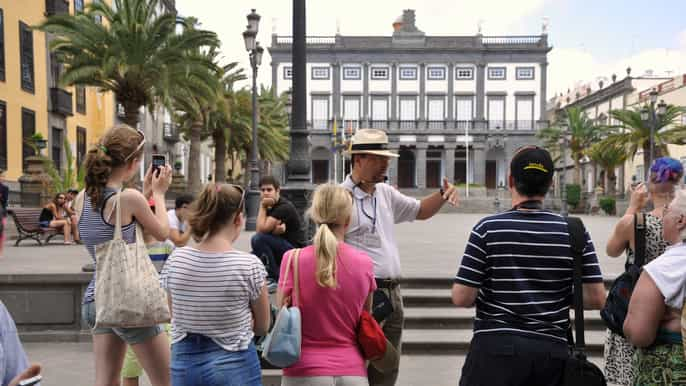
x,y
377,206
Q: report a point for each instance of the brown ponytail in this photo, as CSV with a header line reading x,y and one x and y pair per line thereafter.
x,y
218,205
115,149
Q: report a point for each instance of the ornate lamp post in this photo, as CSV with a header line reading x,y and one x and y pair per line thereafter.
x,y
298,187
255,52
651,115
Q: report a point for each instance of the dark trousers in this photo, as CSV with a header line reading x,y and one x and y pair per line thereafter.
x,y
270,249
496,359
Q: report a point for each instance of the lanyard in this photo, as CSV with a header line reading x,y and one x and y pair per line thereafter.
x,y
529,204
371,217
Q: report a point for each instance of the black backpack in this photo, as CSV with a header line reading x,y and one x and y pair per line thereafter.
x,y
618,298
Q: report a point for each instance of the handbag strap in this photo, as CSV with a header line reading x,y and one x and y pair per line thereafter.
x,y
639,239
117,221
293,260
578,242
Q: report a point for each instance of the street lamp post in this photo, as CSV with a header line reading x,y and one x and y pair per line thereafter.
x,y
298,187
255,51
651,115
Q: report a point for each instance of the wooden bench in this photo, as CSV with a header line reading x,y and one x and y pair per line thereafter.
x,y
26,221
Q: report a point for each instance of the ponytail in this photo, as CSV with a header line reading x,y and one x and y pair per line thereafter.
x,y
326,250
331,208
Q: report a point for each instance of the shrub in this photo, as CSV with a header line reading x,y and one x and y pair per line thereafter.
x,y
608,204
573,194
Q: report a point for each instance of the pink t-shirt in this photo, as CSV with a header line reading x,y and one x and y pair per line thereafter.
x,y
330,315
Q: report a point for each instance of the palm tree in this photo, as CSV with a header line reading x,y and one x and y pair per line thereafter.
x,y
272,128
609,156
633,133
582,135
220,117
135,52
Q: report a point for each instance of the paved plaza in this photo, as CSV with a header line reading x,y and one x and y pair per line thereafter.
x,y
428,249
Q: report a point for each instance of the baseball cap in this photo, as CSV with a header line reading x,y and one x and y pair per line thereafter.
x,y
532,166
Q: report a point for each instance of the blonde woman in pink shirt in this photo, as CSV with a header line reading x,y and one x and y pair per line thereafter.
x,y
336,283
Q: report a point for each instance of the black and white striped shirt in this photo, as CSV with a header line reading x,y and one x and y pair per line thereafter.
x,y
522,264
211,294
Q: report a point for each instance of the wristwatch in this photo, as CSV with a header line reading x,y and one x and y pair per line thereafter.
x,y
442,192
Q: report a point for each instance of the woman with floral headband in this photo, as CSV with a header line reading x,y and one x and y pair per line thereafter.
x,y
665,175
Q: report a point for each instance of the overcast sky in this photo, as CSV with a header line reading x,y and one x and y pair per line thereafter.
x,y
590,38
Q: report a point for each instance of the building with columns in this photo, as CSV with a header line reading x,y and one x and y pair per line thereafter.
x,y
597,101
455,106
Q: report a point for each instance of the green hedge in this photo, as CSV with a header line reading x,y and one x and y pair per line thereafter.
x,y
608,204
573,194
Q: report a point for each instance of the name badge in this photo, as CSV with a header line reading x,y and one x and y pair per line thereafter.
x,y
371,240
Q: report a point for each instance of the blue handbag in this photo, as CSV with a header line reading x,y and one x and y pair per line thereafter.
x,y
282,345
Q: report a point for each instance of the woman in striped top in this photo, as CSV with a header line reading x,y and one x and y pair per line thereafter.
x,y
111,162
218,297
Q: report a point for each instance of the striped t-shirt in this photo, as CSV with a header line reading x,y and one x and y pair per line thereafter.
x,y
522,264
211,294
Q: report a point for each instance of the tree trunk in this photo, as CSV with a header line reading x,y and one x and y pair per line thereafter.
x,y
194,181
611,181
131,114
219,155
577,171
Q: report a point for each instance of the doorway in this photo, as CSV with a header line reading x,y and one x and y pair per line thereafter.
x,y
406,169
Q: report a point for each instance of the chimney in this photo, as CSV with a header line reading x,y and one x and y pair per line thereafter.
x,y
614,78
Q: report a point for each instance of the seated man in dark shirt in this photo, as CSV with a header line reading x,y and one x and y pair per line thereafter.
x,y
279,227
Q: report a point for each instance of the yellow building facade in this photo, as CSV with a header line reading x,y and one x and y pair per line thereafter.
x,y
672,92
31,99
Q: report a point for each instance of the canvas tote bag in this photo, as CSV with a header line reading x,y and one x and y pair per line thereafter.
x,y
127,286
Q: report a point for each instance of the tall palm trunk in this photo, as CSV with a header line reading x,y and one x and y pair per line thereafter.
x,y
219,155
577,170
131,113
194,184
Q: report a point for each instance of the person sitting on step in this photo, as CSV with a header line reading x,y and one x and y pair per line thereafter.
x,y
279,227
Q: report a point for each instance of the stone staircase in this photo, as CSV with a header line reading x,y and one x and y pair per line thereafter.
x,y
434,326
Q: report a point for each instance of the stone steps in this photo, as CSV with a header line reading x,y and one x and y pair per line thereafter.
x,y
461,318
456,342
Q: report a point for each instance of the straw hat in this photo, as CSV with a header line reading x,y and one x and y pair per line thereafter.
x,y
370,141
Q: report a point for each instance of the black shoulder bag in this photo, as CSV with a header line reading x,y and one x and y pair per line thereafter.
x,y
618,298
578,370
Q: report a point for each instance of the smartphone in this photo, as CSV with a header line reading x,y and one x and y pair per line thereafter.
x,y
31,381
158,161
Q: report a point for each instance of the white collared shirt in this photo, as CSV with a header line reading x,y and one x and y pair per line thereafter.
x,y
372,224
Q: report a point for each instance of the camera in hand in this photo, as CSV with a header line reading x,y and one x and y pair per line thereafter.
x,y
158,161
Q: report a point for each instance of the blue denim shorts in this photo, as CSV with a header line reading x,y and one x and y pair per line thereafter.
x,y
198,361
129,335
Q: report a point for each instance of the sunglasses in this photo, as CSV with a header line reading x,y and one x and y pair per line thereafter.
x,y
140,145
240,190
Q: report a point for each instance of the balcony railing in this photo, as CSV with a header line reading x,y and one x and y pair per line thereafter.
x,y
464,125
511,40
405,124
436,124
170,132
61,101
321,124
382,125
56,7
350,126
309,40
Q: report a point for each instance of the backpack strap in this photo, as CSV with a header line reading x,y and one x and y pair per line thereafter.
x,y
639,239
577,238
